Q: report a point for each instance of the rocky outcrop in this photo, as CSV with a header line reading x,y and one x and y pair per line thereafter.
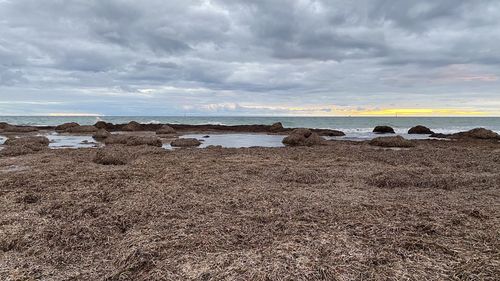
x,y
477,133
396,141
276,127
185,142
82,129
328,132
383,130
19,129
165,130
24,145
66,126
132,126
103,125
101,134
38,140
421,130
303,137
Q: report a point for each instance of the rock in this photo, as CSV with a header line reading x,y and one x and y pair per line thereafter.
x,y
101,134
3,125
24,145
421,130
82,129
214,147
330,133
165,130
396,141
185,142
111,156
303,137
133,140
383,130
477,133
132,126
439,135
19,129
276,127
206,137
65,126
103,125
38,140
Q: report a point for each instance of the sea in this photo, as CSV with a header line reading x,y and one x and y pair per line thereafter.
x,y
355,128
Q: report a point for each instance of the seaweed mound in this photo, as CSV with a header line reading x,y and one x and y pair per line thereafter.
x,y
383,130
24,145
303,137
19,129
185,142
397,141
111,156
103,125
420,130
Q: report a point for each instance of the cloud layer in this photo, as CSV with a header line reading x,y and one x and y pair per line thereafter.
x,y
239,57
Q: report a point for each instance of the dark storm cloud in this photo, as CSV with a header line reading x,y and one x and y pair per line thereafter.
x,y
246,57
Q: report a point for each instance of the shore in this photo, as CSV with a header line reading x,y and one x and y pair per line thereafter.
x,y
342,211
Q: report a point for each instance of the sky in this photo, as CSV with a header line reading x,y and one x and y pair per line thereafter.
x,y
243,57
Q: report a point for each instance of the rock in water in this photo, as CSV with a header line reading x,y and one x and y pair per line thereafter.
x,y
133,140
383,130
396,141
421,130
187,142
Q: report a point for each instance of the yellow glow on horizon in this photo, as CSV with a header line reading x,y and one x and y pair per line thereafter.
x,y
419,112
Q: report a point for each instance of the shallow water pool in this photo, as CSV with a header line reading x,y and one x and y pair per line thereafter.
x,y
70,141
236,140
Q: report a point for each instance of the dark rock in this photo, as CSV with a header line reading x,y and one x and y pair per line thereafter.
x,y
165,130
303,137
383,130
38,140
19,129
103,125
133,140
477,133
439,135
419,129
276,127
132,126
101,134
82,129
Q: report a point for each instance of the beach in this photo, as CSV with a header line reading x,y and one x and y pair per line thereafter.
x,y
342,210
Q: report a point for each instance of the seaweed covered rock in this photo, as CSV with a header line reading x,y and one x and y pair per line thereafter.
x,y
303,137
24,145
38,140
3,125
329,133
86,129
112,156
65,126
165,130
101,134
477,133
132,126
276,127
383,130
420,130
397,141
133,140
185,142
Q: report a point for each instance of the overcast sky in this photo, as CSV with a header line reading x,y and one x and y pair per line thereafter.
x,y
243,57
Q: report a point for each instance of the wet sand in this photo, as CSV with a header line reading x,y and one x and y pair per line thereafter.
x,y
344,211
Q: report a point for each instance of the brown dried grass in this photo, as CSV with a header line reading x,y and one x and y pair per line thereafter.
x,y
307,213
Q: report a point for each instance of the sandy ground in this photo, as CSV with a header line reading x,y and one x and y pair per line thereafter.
x,y
339,212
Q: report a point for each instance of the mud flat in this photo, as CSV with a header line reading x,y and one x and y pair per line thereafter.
x,y
340,211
